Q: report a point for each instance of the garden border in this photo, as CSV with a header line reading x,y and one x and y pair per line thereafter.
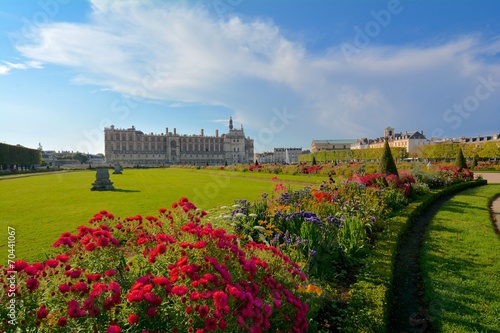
x,y
372,296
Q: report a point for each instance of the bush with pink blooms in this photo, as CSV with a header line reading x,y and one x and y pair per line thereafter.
x,y
170,273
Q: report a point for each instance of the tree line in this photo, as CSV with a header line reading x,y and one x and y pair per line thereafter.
x,y
352,154
18,155
436,152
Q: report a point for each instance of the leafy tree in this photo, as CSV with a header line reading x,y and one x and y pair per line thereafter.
x,y
387,165
460,159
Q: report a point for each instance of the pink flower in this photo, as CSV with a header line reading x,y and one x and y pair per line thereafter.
x,y
133,319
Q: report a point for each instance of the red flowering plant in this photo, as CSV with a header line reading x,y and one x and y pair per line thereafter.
x,y
165,274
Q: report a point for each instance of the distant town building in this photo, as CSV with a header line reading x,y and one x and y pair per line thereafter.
x,y
279,155
131,147
264,157
319,145
287,155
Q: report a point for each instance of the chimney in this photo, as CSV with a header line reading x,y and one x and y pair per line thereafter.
x,y
216,133
175,131
166,130
201,132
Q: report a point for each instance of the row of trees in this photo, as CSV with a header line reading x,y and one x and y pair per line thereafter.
x,y
352,154
448,151
443,151
18,155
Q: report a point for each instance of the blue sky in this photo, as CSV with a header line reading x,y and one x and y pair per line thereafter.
x,y
288,71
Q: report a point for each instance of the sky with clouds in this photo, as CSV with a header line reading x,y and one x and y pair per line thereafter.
x,y
287,71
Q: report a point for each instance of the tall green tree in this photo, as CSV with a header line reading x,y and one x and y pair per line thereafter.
x,y
460,159
387,165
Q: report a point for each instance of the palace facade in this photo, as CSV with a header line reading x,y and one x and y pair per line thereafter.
x,y
131,147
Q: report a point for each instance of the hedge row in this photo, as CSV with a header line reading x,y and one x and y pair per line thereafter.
x,y
371,296
10,155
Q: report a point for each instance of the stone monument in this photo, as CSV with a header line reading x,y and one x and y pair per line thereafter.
x,y
118,169
102,182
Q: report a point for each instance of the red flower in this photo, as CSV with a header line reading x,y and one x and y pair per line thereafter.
x,y
114,329
222,324
90,247
210,324
52,263
64,288
203,311
151,312
153,299
135,296
133,319
200,244
62,322
32,284
110,272
42,312
220,299
160,280
179,290
62,257
20,265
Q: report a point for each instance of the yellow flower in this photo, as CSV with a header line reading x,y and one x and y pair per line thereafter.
x,y
311,289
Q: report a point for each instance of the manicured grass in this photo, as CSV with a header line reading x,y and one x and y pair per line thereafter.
x,y
461,265
41,207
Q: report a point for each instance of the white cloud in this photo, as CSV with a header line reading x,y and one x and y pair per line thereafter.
x,y
20,66
186,55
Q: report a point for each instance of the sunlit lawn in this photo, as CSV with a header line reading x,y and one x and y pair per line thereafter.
x,y
41,207
461,265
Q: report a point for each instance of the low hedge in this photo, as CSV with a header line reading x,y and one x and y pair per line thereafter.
x,y
371,296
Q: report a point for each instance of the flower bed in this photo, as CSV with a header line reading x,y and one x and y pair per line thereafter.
x,y
167,274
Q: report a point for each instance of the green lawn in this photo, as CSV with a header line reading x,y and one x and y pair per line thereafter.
x,y
41,207
461,265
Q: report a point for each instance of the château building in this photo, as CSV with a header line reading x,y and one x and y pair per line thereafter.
x,y
408,140
131,147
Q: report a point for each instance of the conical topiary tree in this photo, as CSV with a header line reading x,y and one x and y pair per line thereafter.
x,y
313,160
474,162
460,160
387,165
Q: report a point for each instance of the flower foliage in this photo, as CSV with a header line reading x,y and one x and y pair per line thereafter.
x,y
170,273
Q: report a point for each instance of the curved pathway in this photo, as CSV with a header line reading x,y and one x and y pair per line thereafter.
x,y
408,313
